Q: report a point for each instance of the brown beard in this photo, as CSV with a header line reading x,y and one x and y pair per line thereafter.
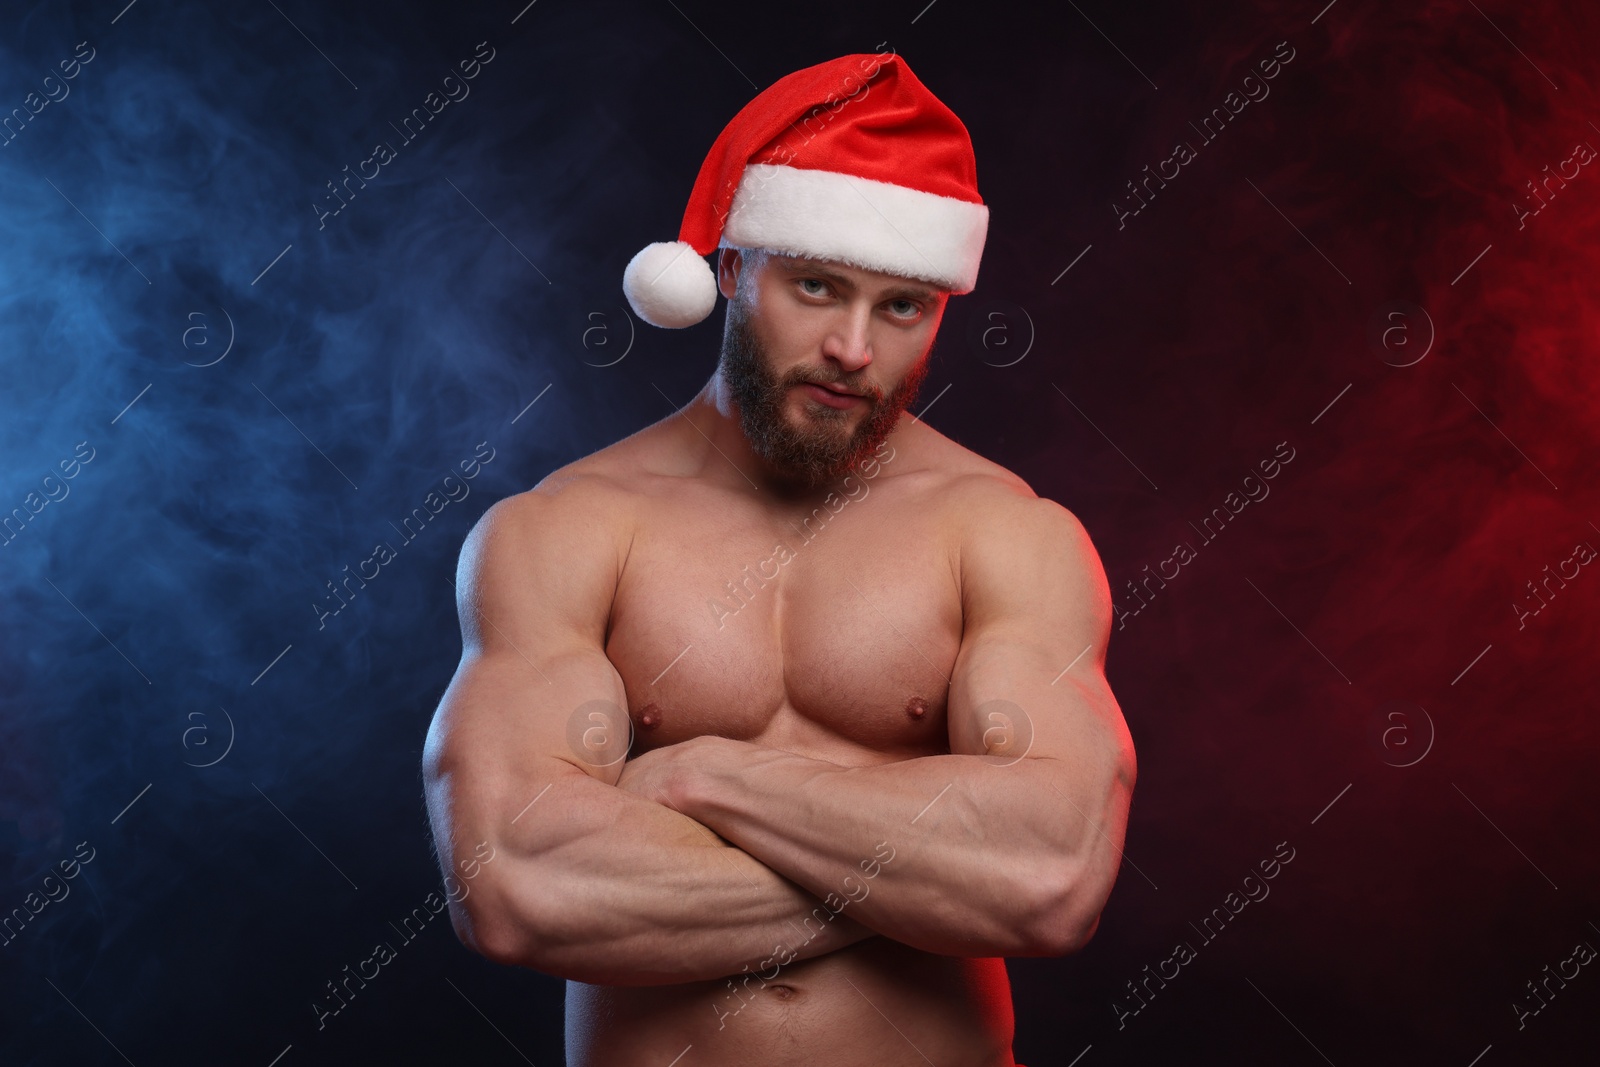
x,y
807,455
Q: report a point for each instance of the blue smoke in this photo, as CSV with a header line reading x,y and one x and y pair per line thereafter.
x,y
226,385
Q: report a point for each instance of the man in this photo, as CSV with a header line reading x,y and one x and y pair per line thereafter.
x,y
786,716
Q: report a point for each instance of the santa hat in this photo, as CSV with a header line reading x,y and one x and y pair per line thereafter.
x,y
851,160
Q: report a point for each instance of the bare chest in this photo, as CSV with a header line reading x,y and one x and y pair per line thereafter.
x,y
831,633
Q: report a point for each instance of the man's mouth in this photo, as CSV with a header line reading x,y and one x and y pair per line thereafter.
x,y
831,395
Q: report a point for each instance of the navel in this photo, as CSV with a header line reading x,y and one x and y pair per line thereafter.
x,y
650,717
917,708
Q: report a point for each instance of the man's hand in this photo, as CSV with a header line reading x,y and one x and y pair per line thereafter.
x,y
651,775
663,774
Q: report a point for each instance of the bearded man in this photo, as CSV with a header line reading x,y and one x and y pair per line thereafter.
x,y
786,716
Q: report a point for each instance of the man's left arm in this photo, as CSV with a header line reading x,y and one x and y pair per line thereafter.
x,y
1009,845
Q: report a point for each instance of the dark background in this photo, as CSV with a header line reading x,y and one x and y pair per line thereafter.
x,y
1349,640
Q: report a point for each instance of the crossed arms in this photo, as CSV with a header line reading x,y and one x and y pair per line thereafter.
x,y
1006,847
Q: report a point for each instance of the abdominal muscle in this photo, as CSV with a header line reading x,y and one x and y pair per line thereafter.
x,y
873,1003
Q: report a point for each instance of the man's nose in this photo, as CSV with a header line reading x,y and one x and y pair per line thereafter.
x,y
850,341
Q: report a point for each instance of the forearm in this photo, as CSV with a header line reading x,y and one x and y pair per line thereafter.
x,y
983,852
603,886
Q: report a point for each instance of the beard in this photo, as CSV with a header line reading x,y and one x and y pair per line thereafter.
x,y
824,448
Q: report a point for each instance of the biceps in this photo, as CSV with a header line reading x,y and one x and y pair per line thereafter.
x,y
993,705
1010,699
504,729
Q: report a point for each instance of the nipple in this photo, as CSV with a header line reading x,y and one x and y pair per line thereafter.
x,y
917,708
650,717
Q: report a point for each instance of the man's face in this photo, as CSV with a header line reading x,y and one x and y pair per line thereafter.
x,y
796,325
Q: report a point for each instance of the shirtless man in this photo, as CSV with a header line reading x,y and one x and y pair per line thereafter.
x,y
785,716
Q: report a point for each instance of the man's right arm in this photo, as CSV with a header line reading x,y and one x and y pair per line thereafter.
x,y
588,881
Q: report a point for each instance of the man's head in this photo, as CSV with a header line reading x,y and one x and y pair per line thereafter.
x,y
796,325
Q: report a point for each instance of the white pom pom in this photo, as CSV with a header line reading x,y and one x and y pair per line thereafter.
x,y
669,285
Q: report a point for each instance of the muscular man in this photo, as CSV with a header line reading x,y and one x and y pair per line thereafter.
x,y
786,716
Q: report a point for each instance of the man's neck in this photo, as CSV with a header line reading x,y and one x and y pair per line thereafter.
x,y
717,436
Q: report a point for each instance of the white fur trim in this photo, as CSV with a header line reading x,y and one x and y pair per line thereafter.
x,y
866,223
669,285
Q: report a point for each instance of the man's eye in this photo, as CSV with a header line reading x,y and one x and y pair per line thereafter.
x,y
807,283
903,308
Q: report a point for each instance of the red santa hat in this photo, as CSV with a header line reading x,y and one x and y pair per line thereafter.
x,y
851,160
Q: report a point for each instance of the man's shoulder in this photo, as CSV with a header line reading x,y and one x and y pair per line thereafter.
x,y
607,479
972,484
990,503
588,500
1010,543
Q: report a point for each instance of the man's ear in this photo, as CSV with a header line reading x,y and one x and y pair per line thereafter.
x,y
729,263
